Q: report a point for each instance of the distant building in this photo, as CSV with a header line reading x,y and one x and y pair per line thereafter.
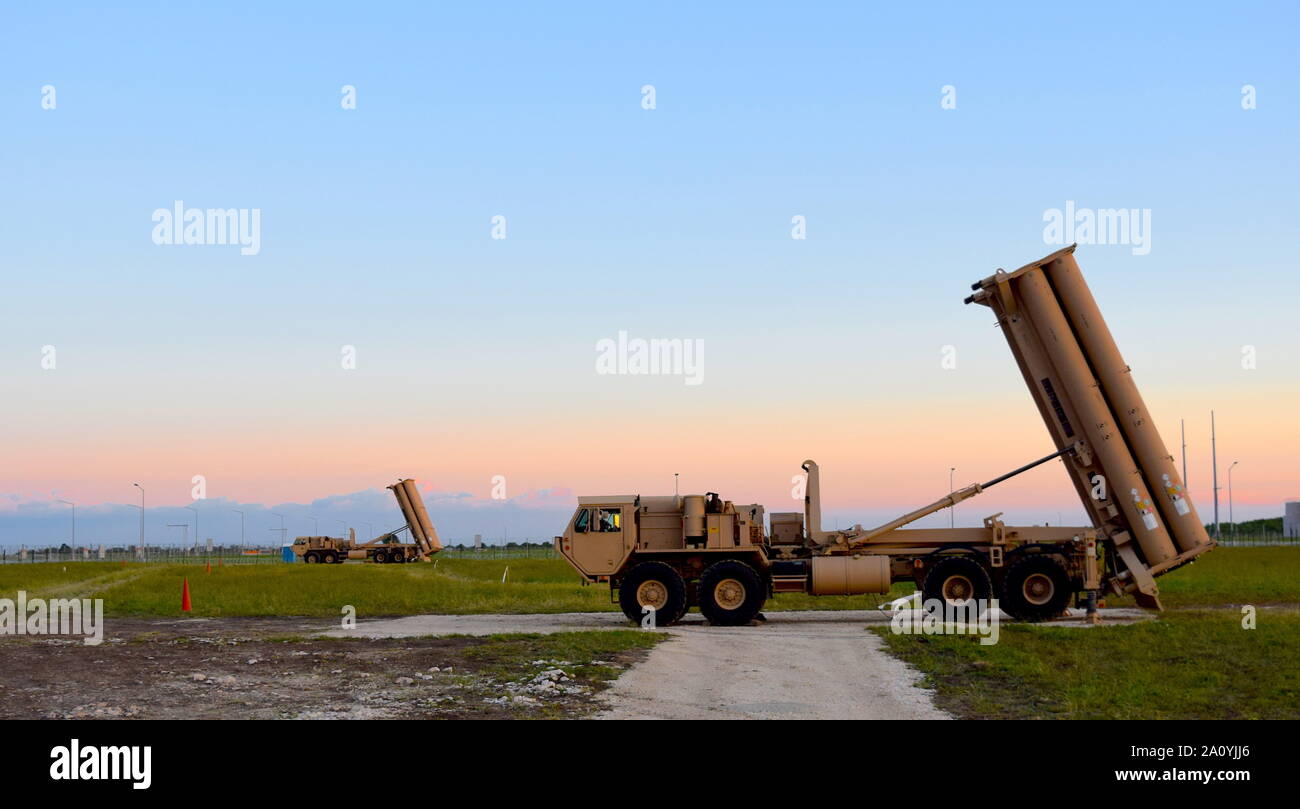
x,y
1291,519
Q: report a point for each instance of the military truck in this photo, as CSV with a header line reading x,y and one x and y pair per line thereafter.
x,y
386,548
662,555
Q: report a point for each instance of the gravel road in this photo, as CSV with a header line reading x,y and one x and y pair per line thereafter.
x,y
796,665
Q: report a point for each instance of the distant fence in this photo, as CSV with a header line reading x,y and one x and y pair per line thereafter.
x,y
499,552
233,555
1228,540
152,553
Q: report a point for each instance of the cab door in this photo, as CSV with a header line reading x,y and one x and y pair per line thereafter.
x,y
601,537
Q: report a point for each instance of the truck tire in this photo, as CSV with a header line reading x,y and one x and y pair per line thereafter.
x,y
955,580
331,557
381,557
653,584
1035,588
731,593
311,558
397,558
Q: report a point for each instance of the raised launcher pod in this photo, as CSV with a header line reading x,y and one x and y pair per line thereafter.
x,y
1087,399
418,523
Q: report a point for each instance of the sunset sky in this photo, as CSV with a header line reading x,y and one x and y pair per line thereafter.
x,y
476,356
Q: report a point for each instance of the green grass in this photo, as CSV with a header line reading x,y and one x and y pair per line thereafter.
x,y
462,586
1194,661
1185,665
1227,576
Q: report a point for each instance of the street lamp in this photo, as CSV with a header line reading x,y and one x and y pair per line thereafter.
x,y
1230,518
281,528
196,524
241,527
141,488
74,520
953,508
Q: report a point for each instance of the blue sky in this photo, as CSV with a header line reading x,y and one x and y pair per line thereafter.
x,y
673,221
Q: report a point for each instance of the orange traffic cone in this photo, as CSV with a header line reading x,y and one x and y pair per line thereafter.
x,y
185,595
209,567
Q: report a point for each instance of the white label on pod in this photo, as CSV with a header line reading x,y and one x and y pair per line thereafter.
x,y
1144,508
1175,493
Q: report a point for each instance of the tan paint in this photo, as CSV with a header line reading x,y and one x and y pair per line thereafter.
x,y
431,542
1124,481
1116,378
849,575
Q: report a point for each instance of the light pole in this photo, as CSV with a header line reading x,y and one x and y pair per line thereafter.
x,y
196,524
1214,462
1231,521
370,529
281,528
1182,428
241,527
953,507
74,520
315,525
141,488
345,528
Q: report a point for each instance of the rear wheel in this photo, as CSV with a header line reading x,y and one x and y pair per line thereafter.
x,y
397,558
731,593
311,558
653,585
958,581
381,556
331,557
1035,588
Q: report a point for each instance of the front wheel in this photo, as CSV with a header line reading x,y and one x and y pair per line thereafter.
x,y
653,585
311,558
731,593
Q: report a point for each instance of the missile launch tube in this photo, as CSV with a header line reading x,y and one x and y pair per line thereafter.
x,y
1123,478
432,543
1134,421
412,521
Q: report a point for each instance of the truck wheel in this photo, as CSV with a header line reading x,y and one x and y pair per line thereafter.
x,y
397,558
956,580
331,557
653,584
731,593
381,556
311,558
1035,588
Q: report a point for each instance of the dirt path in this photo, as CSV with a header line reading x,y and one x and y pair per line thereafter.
x,y
822,665
796,665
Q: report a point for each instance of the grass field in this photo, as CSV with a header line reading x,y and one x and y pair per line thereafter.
x,y
461,586
452,586
1195,662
